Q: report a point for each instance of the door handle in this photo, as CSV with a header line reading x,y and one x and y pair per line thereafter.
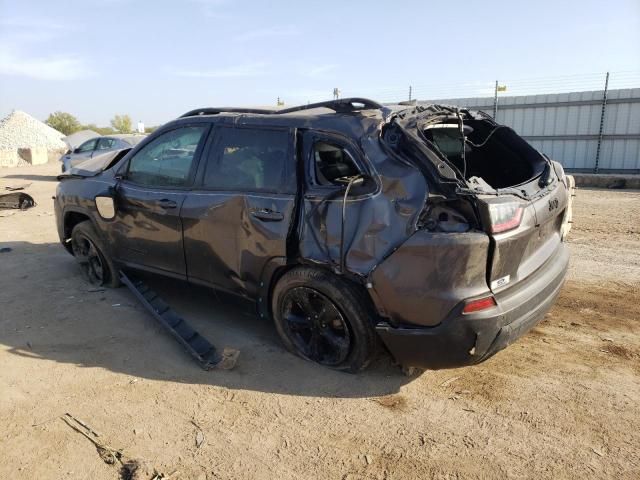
x,y
267,215
167,204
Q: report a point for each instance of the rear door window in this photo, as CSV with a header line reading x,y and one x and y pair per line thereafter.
x,y
252,160
332,164
168,159
106,143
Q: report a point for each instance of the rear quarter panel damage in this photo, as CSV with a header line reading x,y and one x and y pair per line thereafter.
x,y
424,279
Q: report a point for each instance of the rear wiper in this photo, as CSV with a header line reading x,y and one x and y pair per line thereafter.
x,y
545,179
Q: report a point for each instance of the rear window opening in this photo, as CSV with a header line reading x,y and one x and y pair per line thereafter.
x,y
333,164
492,152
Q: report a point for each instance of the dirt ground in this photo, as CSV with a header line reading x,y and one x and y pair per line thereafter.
x,y
562,402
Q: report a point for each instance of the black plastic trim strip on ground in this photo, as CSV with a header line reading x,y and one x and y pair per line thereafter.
x,y
198,347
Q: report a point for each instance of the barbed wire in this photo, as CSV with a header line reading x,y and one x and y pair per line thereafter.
x,y
514,87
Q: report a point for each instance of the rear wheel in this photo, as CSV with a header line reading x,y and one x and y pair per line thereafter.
x,y
322,318
92,257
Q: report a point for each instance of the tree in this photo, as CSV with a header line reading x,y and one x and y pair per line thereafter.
x,y
100,130
63,122
122,123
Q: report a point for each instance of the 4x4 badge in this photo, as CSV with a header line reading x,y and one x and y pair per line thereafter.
x,y
553,203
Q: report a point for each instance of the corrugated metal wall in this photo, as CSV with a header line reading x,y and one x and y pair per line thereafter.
x,y
566,126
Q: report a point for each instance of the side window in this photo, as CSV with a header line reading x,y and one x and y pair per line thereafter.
x,y
166,160
332,164
248,159
87,146
105,143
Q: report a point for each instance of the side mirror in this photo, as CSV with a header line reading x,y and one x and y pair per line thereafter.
x,y
76,150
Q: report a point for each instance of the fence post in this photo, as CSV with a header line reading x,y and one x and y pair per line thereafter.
x,y
495,101
600,133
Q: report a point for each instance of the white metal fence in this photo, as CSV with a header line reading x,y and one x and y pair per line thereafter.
x,y
588,122
579,129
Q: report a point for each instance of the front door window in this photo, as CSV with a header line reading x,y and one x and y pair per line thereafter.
x,y
168,159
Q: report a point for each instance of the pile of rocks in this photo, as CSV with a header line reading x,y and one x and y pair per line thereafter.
x,y
26,140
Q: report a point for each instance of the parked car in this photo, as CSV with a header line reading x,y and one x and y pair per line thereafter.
x,y
431,228
97,146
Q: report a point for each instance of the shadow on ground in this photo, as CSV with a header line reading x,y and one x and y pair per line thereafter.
x,y
51,314
25,176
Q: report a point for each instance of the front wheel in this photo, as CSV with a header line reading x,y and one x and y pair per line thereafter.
x,y
323,318
95,262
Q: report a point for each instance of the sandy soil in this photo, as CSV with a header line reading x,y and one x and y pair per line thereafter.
x,y
562,402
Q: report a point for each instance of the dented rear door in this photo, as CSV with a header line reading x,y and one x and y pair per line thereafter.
x,y
239,216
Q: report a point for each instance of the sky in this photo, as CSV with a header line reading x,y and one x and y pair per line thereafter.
x,y
155,60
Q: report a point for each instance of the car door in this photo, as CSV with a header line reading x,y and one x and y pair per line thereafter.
x,y
147,232
80,154
330,160
241,210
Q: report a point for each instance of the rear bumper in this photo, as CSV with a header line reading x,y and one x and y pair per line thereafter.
x,y
468,339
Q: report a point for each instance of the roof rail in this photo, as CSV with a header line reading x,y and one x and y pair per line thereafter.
x,y
217,110
341,105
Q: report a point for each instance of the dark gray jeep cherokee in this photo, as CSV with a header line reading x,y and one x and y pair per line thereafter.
x,y
431,228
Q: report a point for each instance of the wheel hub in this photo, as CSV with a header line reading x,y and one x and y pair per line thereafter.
x,y
89,259
316,326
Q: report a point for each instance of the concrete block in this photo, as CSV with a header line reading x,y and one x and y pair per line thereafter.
x,y
34,156
54,155
612,181
9,158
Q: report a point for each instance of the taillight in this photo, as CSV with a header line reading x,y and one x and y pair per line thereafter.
x,y
505,216
479,304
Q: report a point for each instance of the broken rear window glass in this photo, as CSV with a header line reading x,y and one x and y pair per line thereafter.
x,y
333,164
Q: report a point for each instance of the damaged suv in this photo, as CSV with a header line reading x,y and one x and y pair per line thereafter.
x,y
429,228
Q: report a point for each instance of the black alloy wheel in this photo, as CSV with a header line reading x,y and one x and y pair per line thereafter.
x,y
89,259
316,326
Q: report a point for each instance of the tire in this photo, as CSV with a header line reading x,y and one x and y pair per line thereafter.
x,y
344,316
92,256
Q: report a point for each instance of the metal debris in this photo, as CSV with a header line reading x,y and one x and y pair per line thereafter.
x,y
17,200
17,186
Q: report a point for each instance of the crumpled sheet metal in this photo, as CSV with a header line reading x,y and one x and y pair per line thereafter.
x,y
452,265
375,224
